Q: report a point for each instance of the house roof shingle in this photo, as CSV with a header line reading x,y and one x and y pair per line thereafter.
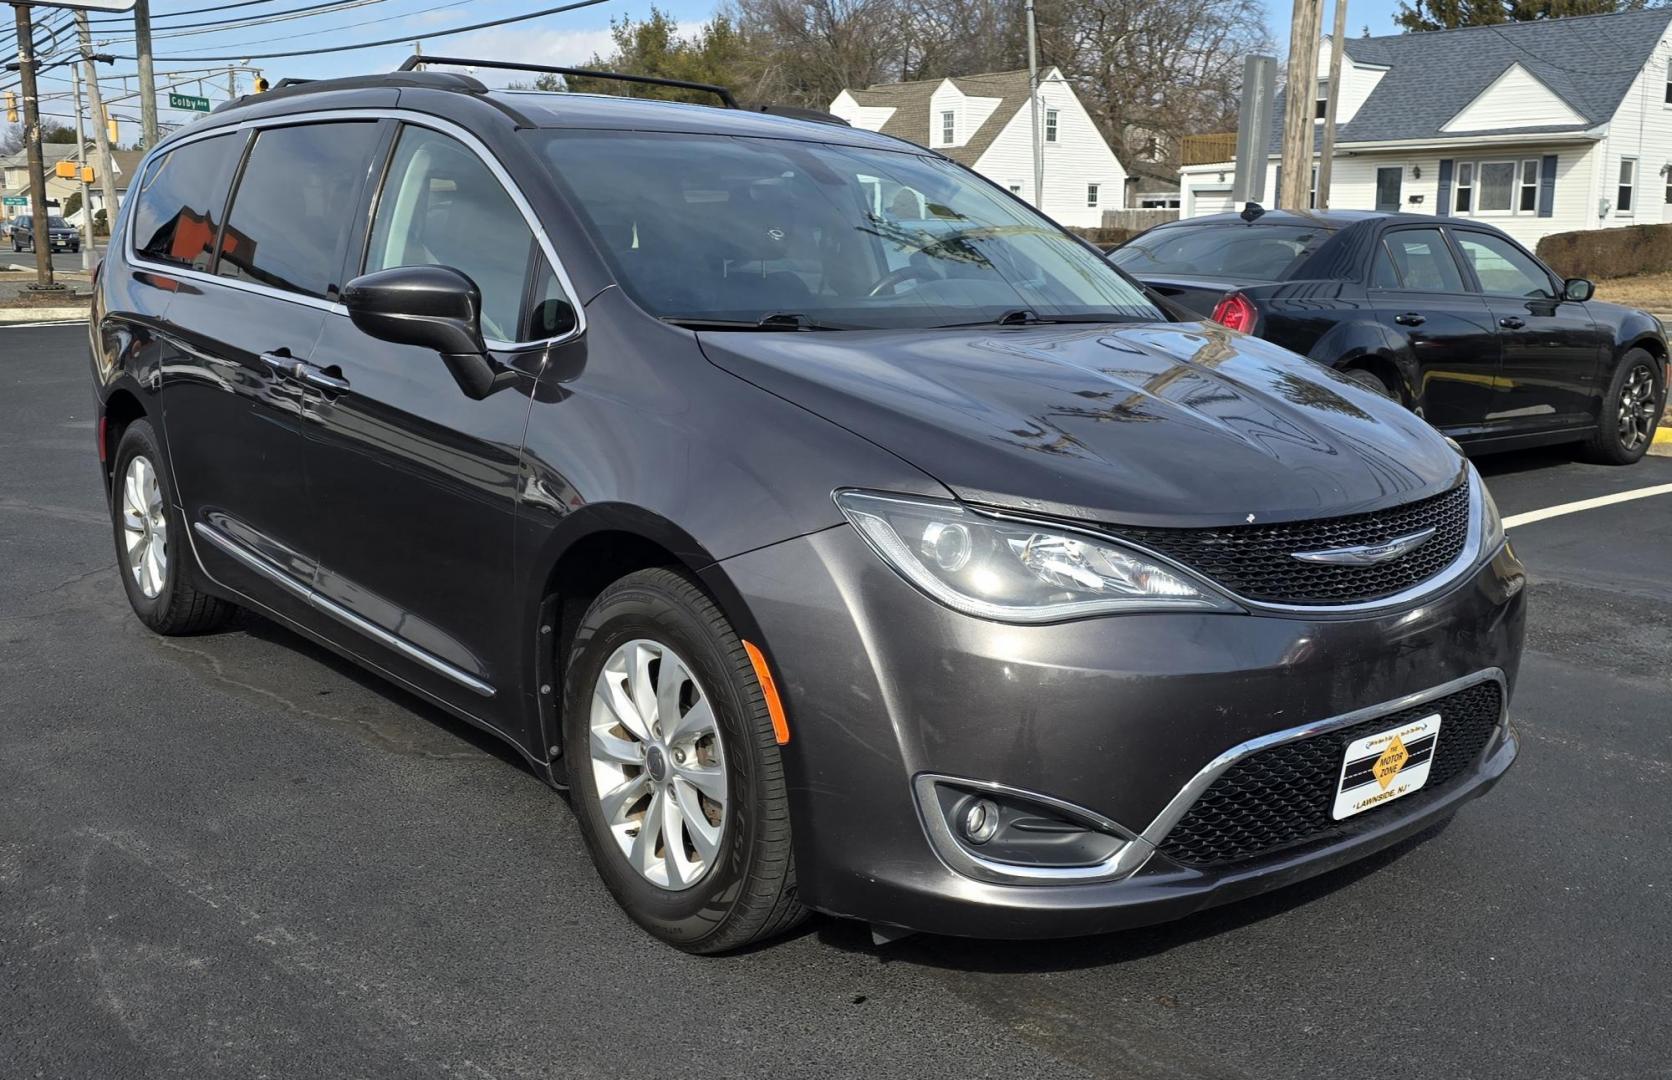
x,y
910,102
1589,61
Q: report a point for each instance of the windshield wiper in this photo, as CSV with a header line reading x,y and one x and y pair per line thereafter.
x,y
776,320
1028,317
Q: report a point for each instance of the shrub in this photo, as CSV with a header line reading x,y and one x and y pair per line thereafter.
x,y
1609,253
1107,238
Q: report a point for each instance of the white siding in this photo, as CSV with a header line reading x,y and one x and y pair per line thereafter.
x,y
1515,99
869,117
1079,157
1641,129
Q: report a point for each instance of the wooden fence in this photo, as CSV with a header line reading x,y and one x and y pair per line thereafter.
x,y
1207,149
1137,220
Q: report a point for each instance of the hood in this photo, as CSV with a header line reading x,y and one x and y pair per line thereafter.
x,y
1157,424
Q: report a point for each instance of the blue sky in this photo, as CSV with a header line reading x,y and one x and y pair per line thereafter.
x,y
568,38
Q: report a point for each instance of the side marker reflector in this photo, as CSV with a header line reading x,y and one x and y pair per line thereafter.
x,y
769,690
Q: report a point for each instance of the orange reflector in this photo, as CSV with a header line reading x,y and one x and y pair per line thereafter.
x,y
769,690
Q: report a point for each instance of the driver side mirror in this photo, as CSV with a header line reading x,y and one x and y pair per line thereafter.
x,y
1578,290
430,307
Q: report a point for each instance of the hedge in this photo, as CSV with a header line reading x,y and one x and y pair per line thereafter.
x,y
1106,238
1609,253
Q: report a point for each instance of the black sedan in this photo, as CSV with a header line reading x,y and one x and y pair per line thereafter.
x,y
1451,317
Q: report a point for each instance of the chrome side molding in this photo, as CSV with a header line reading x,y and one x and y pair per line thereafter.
x,y
341,614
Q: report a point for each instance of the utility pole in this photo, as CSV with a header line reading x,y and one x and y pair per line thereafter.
x,y
147,74
101,122
1326,153
39,227
231,83
1033,106
87,238
1300,97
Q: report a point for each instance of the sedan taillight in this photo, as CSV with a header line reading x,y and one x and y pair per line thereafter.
x,y
1237,312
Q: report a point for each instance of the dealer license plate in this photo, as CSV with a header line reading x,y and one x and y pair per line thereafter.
x,y
1386,766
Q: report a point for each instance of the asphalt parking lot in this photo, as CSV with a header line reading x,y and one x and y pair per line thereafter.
x,y
238,856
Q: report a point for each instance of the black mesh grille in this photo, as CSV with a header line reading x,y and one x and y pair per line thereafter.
x,y
1282,797
1256,561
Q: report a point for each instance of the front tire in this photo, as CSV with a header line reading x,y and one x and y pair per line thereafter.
x,y
1372,382
674,770
1630,411
151,551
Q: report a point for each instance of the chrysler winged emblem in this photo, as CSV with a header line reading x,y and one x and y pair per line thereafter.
x,y
1366,554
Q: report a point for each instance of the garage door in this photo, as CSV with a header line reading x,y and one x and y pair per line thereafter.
x,y
1212,201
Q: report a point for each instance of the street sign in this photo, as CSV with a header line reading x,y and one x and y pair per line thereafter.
x,y
186,101
14,200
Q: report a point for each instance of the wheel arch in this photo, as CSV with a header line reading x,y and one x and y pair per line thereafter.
x,y
121,408
1364,344
594,547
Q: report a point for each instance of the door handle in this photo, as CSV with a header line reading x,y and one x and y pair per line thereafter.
x,y
283,363
1512,323
318,377
1410,318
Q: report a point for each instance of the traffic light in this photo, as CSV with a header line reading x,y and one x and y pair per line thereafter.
x,y
65,170
11,106
87,174
261,85
114,130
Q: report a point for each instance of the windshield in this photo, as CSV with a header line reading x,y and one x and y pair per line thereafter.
x,y
1243,252
722,229
55,222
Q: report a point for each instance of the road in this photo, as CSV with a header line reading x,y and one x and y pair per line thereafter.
x,y
237,856
62,261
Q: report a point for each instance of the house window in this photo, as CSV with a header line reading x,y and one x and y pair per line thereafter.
x,y
1465,187
1320,108
1628,180
1669,82
1152,149
1528,201
1050,125
949,128
1667,172
1312,192
1015,189
1091,194
1497,187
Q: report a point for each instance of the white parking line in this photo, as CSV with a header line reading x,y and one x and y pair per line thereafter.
x,y
1585,504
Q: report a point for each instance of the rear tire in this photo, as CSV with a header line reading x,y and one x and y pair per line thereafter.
x,y
743,889
1372,382
152,554
1630,411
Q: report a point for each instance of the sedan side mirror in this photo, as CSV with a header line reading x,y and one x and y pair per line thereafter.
x,y
431,307
1577,289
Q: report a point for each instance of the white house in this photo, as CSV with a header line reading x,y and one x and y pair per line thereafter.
x,y
1536,127
984,122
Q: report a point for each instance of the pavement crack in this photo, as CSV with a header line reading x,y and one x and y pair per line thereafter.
x,y
218,671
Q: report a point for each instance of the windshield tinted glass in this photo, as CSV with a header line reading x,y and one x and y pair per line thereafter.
x,y
1244,252
708,227
56,222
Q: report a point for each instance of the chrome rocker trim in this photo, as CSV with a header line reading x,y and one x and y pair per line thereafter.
x,y
341,614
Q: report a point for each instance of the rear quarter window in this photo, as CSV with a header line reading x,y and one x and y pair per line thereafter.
x,y
180,201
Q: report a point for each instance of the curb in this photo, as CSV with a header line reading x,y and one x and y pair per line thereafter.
x,y
10,316
1662,446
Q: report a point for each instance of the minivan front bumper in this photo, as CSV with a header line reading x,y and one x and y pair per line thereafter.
x,y
1117,717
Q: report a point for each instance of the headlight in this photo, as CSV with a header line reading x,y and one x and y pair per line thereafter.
x,y
1491,524
1015,571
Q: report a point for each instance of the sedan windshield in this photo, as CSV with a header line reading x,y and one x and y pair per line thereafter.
x,y
1221,250
777,234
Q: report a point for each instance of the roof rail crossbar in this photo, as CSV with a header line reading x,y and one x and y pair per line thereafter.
x,y
417,60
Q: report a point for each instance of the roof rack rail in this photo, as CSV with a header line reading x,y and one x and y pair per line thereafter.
x,y
798,112
417,60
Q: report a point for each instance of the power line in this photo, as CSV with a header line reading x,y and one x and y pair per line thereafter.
x,y
190,11
309,33
402,39
183,29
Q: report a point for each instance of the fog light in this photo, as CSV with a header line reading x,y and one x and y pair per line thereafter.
x,y
981,821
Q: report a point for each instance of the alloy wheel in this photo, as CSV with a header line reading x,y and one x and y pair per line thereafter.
x,y
658,764
144,527
1637,407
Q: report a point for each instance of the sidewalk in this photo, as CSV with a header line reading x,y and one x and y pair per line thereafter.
x,y
18,305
